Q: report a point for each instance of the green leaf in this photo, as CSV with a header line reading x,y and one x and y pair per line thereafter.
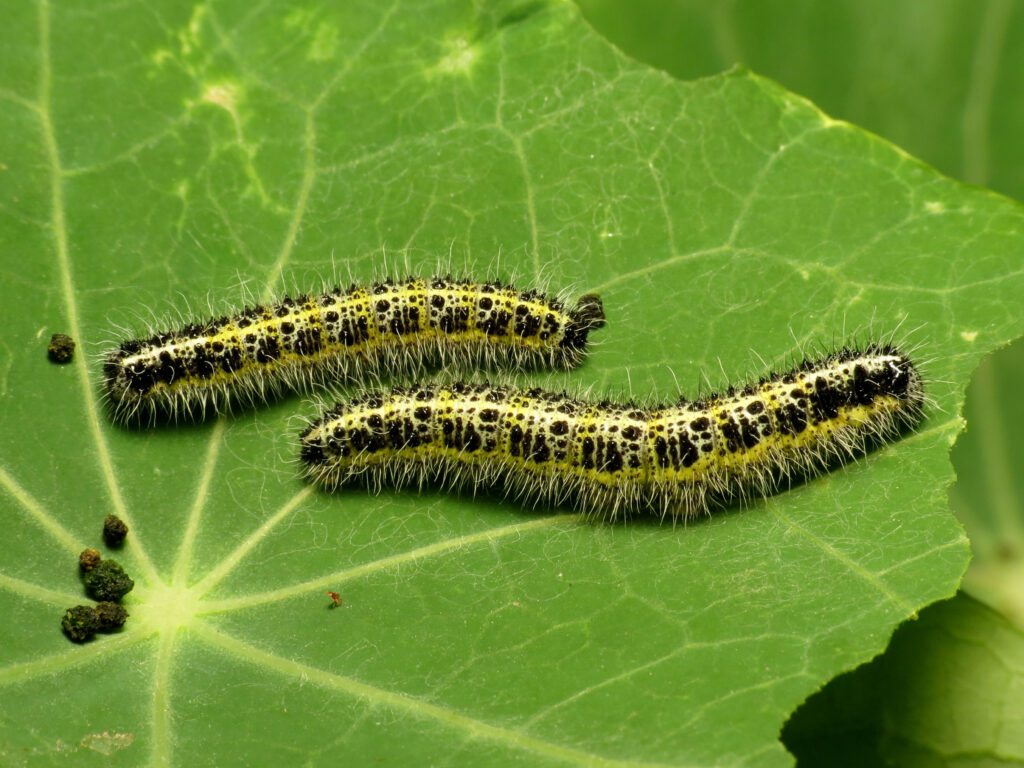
x,y
878,64
160,155
946,692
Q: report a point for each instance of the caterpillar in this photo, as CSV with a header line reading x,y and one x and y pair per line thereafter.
x,y
612,459
387,328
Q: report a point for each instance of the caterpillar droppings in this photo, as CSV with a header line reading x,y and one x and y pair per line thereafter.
x,y
614,459
387,328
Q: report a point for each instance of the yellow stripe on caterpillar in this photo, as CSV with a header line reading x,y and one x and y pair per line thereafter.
x,y
386,328
613,459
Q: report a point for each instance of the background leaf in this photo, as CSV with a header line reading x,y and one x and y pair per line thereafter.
x,y
940,80
160,155
950,686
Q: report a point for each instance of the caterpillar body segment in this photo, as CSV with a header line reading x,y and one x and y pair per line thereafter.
x,y
611,459
387,328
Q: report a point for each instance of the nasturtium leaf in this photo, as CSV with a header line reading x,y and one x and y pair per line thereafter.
x,y
946,692
157,156
941,81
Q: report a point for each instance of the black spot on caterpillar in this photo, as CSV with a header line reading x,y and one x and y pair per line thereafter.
x,y
617,459
387,328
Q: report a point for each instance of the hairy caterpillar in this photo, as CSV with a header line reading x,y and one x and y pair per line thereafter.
x,y
601,457
380,329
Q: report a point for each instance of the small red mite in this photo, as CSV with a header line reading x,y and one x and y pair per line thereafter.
x,y
335,598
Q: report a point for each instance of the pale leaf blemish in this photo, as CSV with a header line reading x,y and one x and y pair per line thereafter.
x,y
297,17
934,206
107,743
160,56
325,42
189,38
181,190
960,425
968,336
458,59
228,95
224,95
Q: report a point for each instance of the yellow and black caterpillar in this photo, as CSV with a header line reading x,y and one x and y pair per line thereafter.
x,y
389,327
615,459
